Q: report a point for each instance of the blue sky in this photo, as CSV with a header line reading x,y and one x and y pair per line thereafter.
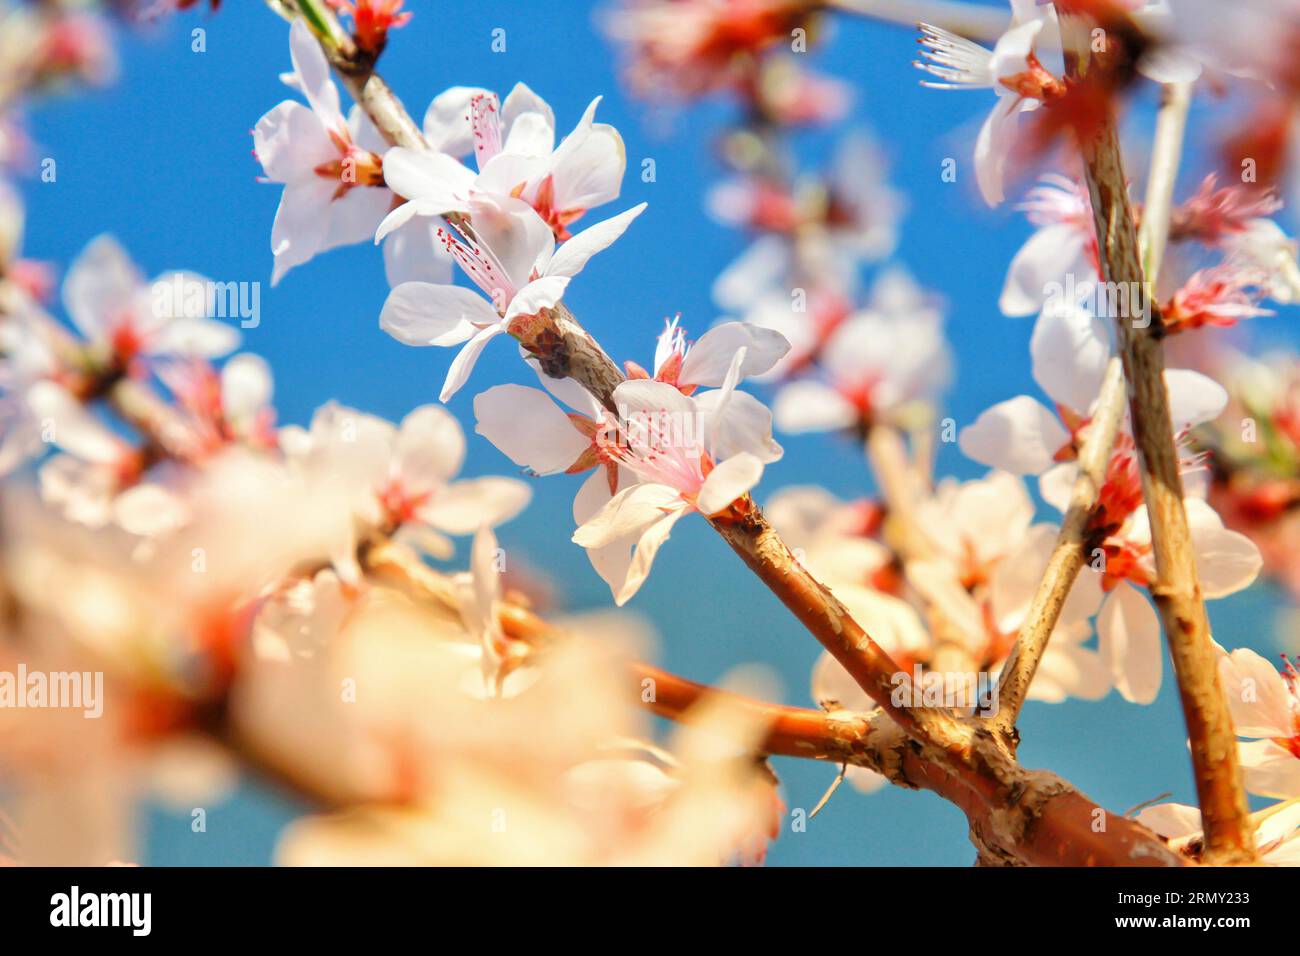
x,y
162,160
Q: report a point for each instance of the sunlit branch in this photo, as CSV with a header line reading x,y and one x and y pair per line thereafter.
x,y
1176,590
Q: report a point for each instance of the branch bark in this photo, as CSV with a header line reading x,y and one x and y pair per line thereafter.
x,y
1068,556
1177,591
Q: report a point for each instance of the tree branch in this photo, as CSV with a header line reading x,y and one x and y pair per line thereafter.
x,y
1176,590
1068,556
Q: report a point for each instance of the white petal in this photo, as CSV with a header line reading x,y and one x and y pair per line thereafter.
x,y
517,237
833,687
463,363
1050,254
420,313
70,425
589,165
1071,350
465,506
629,512
435,179
572,256
246,386
149,509
301,224
708,359
201,338
1129,635
1226,561
1257,695
290,142
1193,398
522,100
537,296
741,423
430,447
529,428
446,122
1269,770
313,75
1067,670
750,277
412,253
1056,485
1173,820
809,406
1019,435
101,281
728,481
643,556
993,146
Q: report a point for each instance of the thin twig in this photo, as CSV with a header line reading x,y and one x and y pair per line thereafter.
x,y
1068,556
1070,551
1176,590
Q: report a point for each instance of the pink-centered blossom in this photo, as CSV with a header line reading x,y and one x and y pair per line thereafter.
x,y
1011,69
1265,705
509,252
873,364
334,192
125,317
690,454
399,478
1061,253
516,155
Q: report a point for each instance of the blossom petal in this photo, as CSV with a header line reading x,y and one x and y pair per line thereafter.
x,y
1040,265
246,386
72,427
1194,399
537,296
412,253
313,76
740,423
811,406
1226,561
1129,642
436,179
446,122
573,255
1071,349
430,446
290,142
728,481
1257,695
993,146
420,313
629,512
709,359
529,428
1019,435
465,506
1269,770
463,363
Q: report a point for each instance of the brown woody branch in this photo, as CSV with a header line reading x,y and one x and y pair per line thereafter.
x,y
1176,590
